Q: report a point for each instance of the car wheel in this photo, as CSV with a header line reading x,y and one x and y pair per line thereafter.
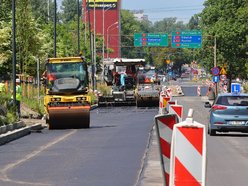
x,y
211,132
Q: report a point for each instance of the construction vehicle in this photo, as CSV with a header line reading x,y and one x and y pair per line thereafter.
x,y
121,74
148,87
66,101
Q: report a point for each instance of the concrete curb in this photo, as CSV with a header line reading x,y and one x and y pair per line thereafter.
x,y
18,133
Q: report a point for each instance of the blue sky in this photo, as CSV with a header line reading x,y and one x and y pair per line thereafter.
x,y
159,9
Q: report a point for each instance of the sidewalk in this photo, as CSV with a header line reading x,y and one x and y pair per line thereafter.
x,y
152,175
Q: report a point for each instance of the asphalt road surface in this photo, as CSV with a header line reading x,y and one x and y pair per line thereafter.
x,y
110,153
227,153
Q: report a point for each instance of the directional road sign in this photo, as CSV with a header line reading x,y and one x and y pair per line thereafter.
x,y
186,39
150,39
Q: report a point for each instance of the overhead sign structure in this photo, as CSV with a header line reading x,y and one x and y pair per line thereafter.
x,y
152,39
235,88
186,39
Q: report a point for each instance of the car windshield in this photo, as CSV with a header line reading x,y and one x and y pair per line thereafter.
x,y
64,70
232,100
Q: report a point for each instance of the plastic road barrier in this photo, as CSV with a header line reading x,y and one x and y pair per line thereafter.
x,y
199,90
163,99
164,127
188,154
178,110
225,89
169,103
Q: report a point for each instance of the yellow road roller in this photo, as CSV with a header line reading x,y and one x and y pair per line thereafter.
x,y
66,101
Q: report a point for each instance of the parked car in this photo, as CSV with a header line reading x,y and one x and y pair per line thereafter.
x,y
229,113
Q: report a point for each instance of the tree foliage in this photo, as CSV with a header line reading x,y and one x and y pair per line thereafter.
x,y
227,21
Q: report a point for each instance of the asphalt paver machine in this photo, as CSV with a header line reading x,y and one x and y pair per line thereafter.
x,y
121,74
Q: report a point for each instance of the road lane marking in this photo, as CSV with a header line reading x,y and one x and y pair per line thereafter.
x,y
4,171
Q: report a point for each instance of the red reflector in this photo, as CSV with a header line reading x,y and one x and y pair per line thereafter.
x,y
219,107
218,123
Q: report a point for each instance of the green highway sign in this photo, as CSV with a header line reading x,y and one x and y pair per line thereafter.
x,y
150,39
187,33
186,39
186,45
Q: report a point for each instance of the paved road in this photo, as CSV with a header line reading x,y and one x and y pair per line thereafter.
x,y
227,153
110,153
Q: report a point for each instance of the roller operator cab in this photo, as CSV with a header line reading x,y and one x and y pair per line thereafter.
x,y
66,101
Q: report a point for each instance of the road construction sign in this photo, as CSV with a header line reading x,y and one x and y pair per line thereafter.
x,y
223,71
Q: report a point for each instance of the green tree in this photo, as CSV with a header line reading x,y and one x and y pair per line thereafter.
x,y
129,26
230,28
5,38
69,9
29,39
41,10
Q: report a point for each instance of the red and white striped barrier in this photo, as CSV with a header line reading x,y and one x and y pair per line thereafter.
x,y
188,154
178,110
169,103
164,127
199,91
169,92
163,99
225,88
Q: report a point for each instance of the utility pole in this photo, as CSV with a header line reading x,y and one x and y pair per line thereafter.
x,y
91,46
14,49
215,61
78,22
48,10
94,44
55,25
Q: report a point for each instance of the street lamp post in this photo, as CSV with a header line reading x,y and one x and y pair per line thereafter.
x,y
14,49
103,30
78,24
55,28
108,36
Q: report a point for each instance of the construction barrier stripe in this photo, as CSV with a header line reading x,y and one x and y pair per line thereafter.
x,y
194,137
184,178
178,110
166,165
164,124
192,159
165,148
167,178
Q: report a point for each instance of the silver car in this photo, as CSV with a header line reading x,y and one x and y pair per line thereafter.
x,y
229,112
